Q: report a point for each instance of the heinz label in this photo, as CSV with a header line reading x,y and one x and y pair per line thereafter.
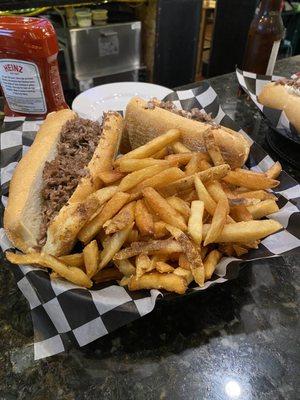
x,y
22,86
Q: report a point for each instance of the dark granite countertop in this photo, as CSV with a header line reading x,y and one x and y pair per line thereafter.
x,y
238,340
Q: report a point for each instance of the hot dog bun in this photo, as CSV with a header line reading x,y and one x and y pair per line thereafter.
x,y
143,124
23,214
283,97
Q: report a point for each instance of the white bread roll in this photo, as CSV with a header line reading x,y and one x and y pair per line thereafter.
x,y
143,123
283,95
23,216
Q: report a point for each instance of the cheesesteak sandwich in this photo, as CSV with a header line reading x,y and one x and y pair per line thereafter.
x,y
146,120
51,192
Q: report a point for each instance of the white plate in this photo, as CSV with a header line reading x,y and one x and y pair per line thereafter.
x,y
114,96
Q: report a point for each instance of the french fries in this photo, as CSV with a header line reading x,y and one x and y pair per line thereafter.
x,y
109,177
274,171
163,267
265,207
91,258
72,274
124,217
90,230
132,164
161,179
212,148
155,280
113,246
143,219
165,220
209,203
218,221
167,246
211,262
180,205
187,183
73,260
179,147
143,265
153,146
249,179
136,177
125,267
163,209
196,221
246,231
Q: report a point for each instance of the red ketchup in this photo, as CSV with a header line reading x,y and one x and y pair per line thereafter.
x,y
29,74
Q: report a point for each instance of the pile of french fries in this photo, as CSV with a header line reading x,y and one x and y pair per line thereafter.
x,y
166,217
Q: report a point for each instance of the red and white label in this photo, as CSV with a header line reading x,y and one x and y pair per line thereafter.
x,y
22,86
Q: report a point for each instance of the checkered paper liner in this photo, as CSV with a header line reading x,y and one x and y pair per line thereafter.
x,y
252,84
65,315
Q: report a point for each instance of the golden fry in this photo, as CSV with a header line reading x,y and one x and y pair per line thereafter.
x,y
167,246
211,262
136,177
257,194
132,164
161,153
193,165
122,219
161,179
179,147
216,191
209,203
125,267
113,245
274,171
184,273
143,264
72,274
196,221
153,146
180,205
155,280
218,222
160,229
133,236
143,219
249,179
163,209
240,213
244,232
265,207
212,147
183,262
91,258
74,260
163,267
184,158
188,183
192,253
90,230
109,177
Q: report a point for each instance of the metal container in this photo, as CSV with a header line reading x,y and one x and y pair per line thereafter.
x,y
105,50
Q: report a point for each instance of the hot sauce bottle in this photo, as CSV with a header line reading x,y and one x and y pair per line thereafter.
x,y
29,73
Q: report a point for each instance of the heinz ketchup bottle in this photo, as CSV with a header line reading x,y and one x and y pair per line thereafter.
x,y
29,74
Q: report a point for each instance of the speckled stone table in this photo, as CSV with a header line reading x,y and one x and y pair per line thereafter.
x,y
239,340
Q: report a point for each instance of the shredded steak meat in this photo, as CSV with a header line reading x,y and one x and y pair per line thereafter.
x,y
78,140
295,83
194,113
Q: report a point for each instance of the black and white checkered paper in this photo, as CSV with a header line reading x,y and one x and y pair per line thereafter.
x,y
65,315
277,119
